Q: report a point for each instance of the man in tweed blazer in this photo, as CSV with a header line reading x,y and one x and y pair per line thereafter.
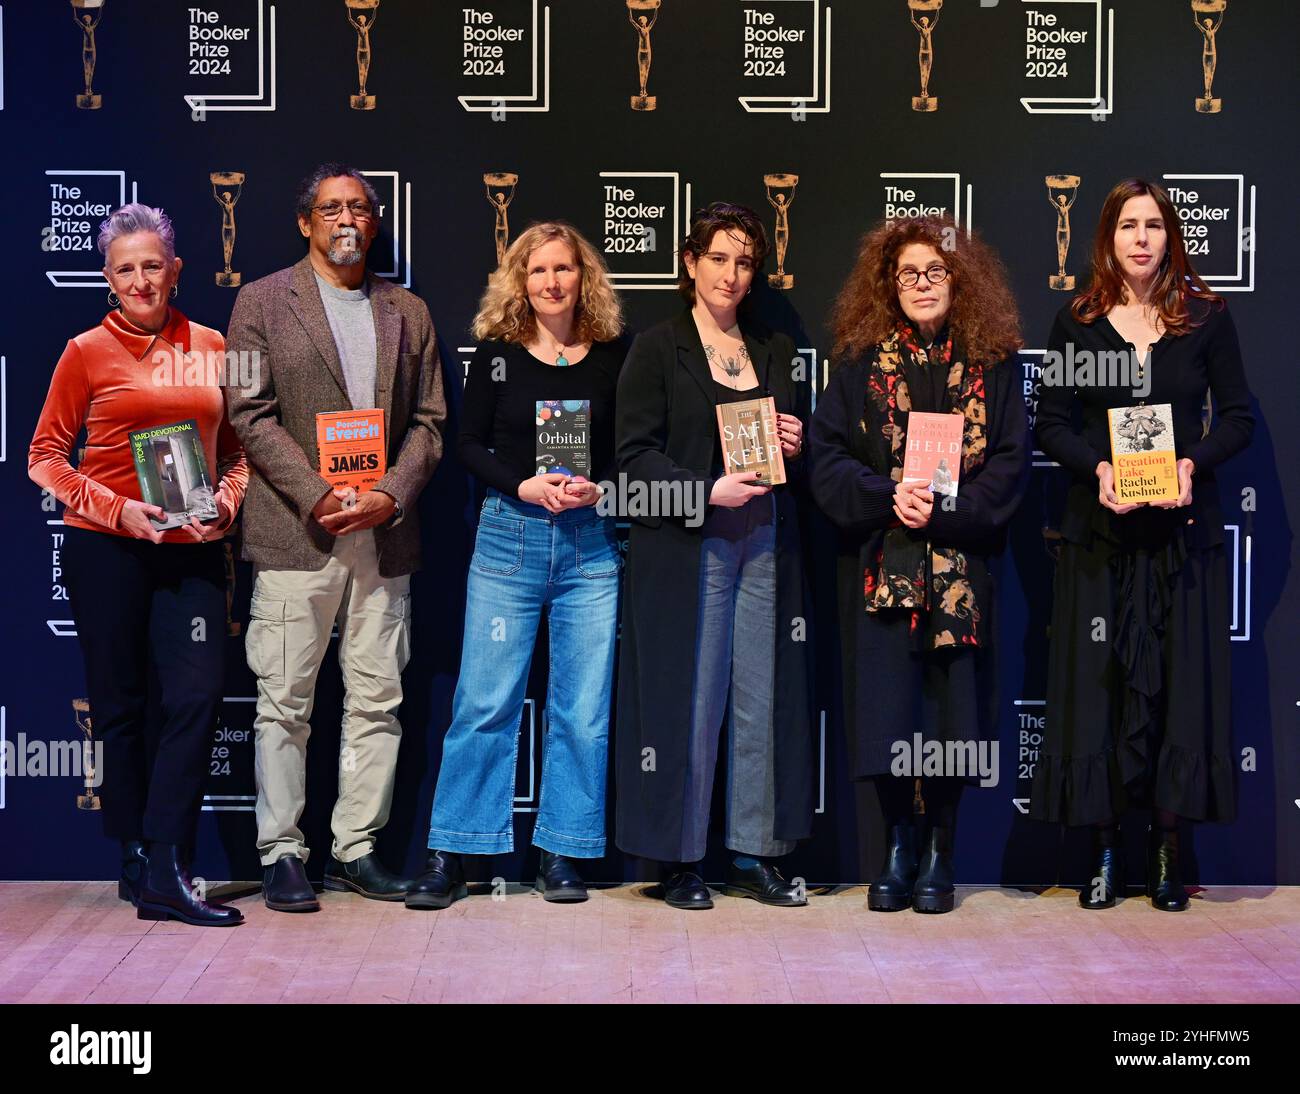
x,y
326,335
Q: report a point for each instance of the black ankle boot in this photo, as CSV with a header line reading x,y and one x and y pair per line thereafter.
x,y
1106,879
166,892
934,891
133,862
892,890
1164,872
558,879
441,883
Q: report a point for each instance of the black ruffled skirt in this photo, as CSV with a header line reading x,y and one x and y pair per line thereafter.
x,y
1138,687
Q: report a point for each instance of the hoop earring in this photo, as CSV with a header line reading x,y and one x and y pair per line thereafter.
x,y
176,288
113,301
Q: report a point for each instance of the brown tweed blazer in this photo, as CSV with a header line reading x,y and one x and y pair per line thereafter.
x,y
281,319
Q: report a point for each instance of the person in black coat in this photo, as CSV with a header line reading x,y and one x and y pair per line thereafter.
x,y
920,328
1142,591
713,613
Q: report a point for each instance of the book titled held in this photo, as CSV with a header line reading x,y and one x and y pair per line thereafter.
x,y
1142,453
750,441
173,473
353,454
564,437
933,451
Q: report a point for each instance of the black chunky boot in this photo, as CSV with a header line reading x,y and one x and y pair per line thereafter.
x,y
1106,881
892,890
934,890
166,892
1164,872
133,863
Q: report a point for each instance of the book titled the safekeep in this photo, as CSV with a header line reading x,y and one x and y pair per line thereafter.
x,y
750,441
352,449
173,473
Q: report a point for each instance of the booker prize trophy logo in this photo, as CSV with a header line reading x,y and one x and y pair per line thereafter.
x,y
1209,18
226,188
643,14
925,15
500,193
1062,190
81,715
780,195
87,14
361,14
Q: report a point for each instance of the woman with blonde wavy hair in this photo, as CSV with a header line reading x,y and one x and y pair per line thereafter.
x,y
537,430
925,323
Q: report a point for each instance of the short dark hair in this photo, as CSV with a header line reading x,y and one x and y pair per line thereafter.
x,y
720,216
310,185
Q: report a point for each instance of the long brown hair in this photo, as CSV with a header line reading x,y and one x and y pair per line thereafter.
x,y
983,318
1174,281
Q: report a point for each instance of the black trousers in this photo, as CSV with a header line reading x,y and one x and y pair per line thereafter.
x,y
141,605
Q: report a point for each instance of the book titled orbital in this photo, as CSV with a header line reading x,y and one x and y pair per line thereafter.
x,y
564,437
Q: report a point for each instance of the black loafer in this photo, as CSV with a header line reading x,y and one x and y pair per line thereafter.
x,y
441,884
686,889
367,876
558,880
285,887
133,864
763,882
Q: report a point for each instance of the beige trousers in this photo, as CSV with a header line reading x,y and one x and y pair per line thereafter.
x,y
293,612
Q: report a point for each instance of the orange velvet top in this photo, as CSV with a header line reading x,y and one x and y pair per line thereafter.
x,y
114,379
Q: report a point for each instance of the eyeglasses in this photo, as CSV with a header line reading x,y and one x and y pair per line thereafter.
x,y
934,275
332,210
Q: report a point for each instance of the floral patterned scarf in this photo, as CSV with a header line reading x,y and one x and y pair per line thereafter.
x,y
909,571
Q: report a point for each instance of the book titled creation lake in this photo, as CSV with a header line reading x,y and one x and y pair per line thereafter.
x,y
353,454
1142,453
564,437
173,473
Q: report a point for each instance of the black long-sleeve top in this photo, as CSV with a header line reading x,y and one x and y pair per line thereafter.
x,y
1072,425
498,434
860,498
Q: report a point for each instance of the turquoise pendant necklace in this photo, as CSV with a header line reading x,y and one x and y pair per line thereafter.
x,y
561,361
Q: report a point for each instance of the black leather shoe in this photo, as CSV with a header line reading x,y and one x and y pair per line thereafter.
x,y
166,892
892,890
1164,872
934,891
285,887
1106,880
441,884
133,863
367,876
685,889
558,880
764,883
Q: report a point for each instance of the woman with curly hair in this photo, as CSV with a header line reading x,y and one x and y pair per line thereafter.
x,y
1118,734
548,332
920,325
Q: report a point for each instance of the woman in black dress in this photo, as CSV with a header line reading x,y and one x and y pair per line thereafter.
x,y
1141,591
919,327
713,612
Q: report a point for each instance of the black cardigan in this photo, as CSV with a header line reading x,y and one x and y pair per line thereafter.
x,y
860,498
1072,427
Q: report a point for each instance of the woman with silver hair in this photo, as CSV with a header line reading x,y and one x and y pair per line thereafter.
x,y
148,592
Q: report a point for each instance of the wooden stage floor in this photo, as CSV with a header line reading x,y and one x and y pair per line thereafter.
x,y
72,942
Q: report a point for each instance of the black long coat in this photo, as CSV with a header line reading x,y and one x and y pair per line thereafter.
x,y
666,430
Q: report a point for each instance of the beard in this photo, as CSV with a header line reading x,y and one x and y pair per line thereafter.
x,y
345,247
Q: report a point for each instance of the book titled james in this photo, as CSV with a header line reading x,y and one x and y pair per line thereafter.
x,y
750,441
564,437
173,473
933,451
352,449
1142,452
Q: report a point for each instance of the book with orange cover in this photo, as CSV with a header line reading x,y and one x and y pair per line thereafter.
x,y
932,452
750,441
352,449
1142,453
